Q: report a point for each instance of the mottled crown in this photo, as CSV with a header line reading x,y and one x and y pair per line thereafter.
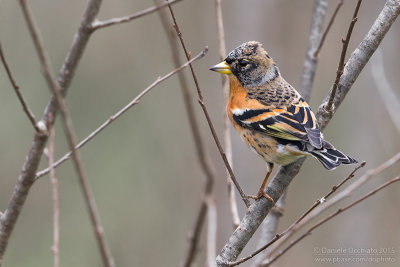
x,y
251,64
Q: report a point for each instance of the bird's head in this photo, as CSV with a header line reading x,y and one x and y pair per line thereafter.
x,y
250,64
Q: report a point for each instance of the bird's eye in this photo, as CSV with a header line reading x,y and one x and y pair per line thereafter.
x,y
243,62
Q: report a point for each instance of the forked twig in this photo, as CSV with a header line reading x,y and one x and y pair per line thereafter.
x,y
102,24
205,111
118,114
340,69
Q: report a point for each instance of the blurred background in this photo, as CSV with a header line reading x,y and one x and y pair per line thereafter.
x,y
143,168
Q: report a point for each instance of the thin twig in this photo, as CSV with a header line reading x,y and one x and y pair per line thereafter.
x,y
27,175
227,136
328,28
346,192
118,114
332,215
319,201
205,111
101,24
340,69
71,138
207,167
56,208
21,99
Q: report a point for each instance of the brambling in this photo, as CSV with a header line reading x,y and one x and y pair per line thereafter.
x,y
270,115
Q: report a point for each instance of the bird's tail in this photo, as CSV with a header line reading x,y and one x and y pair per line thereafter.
x,y
331,158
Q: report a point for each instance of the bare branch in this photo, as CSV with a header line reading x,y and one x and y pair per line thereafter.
x,y
202,157
119,113
359,58
21,99
345,42
332,215
227,136
319,201
260,208
27,175
71,138
205,111
102,24
56,209
346,192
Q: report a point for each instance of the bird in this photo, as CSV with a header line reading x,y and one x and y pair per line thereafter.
x,y
271,117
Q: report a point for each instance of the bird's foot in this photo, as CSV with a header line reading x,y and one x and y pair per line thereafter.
x,y
261,194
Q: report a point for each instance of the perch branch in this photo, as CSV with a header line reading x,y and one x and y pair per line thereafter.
x,y
102,24
345,42
332,215
21,99
260,208
27,174
118,114
205,111
227,136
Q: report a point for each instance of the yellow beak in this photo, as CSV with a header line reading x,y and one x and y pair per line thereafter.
x,y
222,67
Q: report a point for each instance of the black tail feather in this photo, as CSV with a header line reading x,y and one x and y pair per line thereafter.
x,y
331,158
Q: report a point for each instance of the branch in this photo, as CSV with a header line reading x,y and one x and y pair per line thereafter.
x,y
71,138
346,192
359,58
27,175
205,111
259,209
119,113
319,201
227,136
205,164
102,24
345,42
332,215
21,99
